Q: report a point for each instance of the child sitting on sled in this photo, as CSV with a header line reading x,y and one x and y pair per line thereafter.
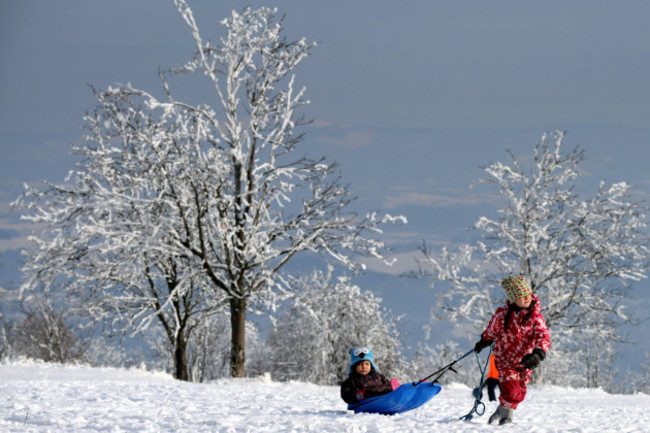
x,y
364,381
521,340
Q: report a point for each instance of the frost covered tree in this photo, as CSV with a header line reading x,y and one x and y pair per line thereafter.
x,y
580,255
44,333
427,360
176,208
4,342
327,317
641,380
105,243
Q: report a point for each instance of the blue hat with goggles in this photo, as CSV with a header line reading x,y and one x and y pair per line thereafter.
x,y
358,354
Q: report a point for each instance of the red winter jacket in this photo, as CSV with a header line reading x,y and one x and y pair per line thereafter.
x,y
526,331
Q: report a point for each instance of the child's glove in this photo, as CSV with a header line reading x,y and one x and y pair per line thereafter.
x,y
394,384
482,344
359,395
532,360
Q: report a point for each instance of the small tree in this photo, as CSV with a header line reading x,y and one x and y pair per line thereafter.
x,y
209,349
325,319
44,334
641,382
579,255
4,342
428,360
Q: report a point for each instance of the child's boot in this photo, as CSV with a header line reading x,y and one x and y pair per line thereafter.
x,y
507,419
503,415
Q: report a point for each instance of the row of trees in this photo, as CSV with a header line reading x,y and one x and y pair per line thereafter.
x,y
299,347
308,341
179,219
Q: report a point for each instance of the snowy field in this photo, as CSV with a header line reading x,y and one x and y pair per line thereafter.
x,y
37,397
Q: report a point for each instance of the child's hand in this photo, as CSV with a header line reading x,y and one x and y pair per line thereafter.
x,y
482,344
359,395
532,360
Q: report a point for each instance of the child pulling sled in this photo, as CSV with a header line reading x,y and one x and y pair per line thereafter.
x,y
521,340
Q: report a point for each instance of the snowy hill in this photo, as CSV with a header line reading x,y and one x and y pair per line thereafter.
x,y
37,397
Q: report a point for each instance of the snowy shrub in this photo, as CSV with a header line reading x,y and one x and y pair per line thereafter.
x,y
4,343
44,333
324,320
642,381
428,360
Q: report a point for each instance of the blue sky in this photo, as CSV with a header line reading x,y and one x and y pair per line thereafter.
x,y
410,97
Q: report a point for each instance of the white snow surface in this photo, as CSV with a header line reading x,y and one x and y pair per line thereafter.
x,y
39,397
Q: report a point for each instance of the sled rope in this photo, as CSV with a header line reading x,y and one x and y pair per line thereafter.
x,y
444,369
479,406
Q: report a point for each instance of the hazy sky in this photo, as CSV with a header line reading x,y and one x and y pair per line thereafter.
x,y
421,63
411,97
444,85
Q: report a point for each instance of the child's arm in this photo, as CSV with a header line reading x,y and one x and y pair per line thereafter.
x,y
542,333
349,393
492,331
541,341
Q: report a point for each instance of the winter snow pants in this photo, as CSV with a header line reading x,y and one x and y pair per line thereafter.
x,y
513,387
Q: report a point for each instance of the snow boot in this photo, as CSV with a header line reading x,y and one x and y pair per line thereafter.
x,y
503,415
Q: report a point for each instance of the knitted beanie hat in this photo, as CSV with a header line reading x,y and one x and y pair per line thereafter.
x,y
516,287
358,354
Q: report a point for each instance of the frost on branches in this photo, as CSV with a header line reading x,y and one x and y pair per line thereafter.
x,y
176,210
327,317
579,254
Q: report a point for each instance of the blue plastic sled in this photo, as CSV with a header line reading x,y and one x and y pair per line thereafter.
x,y
406,397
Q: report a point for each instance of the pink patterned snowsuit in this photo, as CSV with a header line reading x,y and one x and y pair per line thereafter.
x,y
526,331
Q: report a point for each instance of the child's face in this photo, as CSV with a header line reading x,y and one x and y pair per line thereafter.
x,y
363,367
524,301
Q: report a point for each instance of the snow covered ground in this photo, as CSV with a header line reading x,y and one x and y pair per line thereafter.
x,y
37,397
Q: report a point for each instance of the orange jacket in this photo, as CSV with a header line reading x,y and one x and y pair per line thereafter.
x,y
493,372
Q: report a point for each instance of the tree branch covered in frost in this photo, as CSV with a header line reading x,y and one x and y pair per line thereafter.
x,y
580,255
327,317
178,206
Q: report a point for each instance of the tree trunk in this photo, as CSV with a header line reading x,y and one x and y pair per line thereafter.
x,y
180,358
238,336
